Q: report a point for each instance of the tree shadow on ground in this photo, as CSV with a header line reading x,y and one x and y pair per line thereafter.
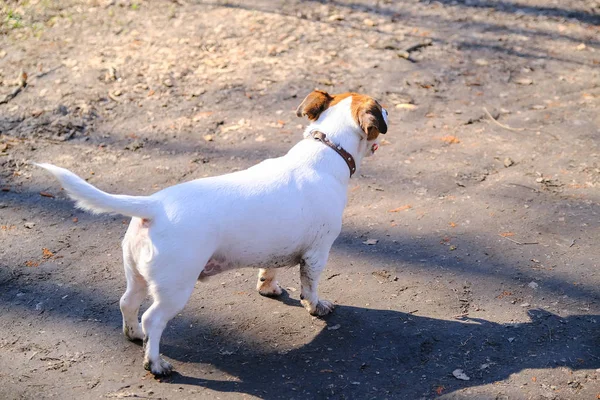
x,y
502,6
368,353
359,352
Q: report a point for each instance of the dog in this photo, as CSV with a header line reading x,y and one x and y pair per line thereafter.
x,y
282,212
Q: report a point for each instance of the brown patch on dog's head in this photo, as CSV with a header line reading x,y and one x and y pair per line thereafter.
x,y
366,111
368,114
314,104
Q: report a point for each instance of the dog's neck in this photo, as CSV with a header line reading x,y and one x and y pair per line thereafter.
x,y
341,129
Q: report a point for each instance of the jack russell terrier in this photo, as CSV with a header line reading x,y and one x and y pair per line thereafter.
x,y
282,212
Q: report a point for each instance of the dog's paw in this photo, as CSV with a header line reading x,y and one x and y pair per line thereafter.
x,y
133,333
158,368
323,307
269,288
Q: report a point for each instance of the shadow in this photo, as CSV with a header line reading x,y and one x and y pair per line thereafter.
x,y
357,353
368,353
522,9
501,6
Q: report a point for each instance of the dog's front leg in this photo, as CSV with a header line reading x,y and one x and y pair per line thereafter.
x,y
311,267
267,284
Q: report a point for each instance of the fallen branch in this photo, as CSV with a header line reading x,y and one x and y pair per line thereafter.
x,y
17,90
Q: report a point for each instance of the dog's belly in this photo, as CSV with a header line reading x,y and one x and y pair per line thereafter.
x,y
221,263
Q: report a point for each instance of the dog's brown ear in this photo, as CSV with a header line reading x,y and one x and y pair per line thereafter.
x,y
369,116
314,104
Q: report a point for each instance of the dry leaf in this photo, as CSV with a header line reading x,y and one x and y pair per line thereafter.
x,y
46,194
208,138
523,81
336,17
402,208
450,139
406,106
507,234
460,374
201,115
75,219
32,263
46,253
452,224
369,22
439,390
230,128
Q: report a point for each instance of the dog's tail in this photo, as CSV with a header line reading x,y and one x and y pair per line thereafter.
x,y
89,198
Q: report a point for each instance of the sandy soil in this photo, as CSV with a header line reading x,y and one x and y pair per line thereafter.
x,y
484,204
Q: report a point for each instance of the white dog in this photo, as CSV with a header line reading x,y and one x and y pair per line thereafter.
x,y
282,212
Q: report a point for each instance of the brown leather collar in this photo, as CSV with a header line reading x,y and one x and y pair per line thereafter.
x,y
321,137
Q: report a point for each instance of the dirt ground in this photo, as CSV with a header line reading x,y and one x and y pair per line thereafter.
x,y
470,241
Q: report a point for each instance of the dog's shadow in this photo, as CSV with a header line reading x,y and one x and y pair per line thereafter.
x,y
367,353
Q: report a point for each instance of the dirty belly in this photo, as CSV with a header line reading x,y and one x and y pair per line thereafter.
x,y
218,264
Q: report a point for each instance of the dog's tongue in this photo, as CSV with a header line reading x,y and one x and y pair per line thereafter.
x,y
374,147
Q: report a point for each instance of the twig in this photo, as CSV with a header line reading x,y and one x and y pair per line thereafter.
x,y
525,186
501,125
406,53
597,358
17,90
494,120
424,43
42,74
459,316
465,342
517,242
572,243
113,97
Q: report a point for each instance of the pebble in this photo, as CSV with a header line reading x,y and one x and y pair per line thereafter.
x,y
533,285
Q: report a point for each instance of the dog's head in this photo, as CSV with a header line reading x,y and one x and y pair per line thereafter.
x,y
370,117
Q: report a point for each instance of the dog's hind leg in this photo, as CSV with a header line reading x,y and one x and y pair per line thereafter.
x,y
137,290
267,284
311,266
170,293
